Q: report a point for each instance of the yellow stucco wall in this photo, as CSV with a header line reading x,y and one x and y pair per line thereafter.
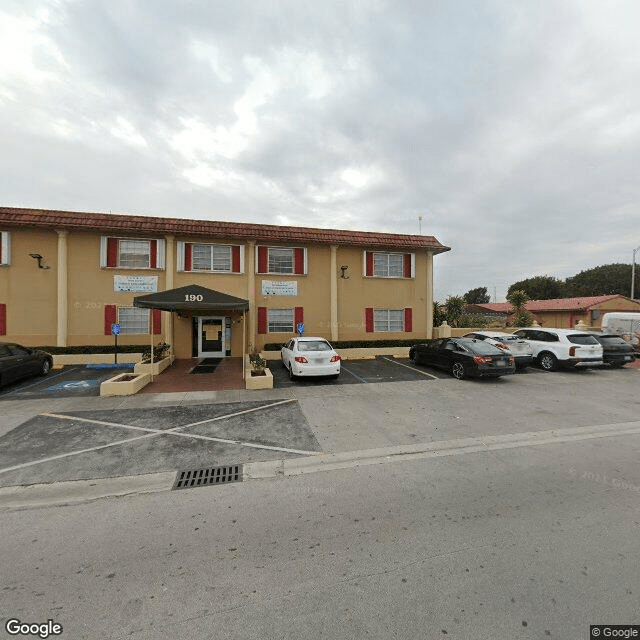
x,y
31,294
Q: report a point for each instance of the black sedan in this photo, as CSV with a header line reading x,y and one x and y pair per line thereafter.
x,y
615,351
463,357
17,362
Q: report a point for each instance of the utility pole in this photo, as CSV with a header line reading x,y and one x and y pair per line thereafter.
x,y
633,273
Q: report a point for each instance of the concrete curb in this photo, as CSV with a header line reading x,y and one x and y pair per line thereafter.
x,y
79,491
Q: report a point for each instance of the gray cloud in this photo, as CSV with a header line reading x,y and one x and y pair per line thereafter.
x,y
512,129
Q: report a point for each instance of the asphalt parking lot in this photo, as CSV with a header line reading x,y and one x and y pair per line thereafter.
x,y
380,369
70,381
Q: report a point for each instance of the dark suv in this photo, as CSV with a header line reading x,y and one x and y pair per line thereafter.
x,y
615,351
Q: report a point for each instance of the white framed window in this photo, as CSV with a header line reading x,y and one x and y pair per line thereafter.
x,y
281,260
133,320
134,254
211,257
388,265
280,320
5,248
391,320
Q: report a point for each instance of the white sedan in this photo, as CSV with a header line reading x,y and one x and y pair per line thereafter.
x,y
310,357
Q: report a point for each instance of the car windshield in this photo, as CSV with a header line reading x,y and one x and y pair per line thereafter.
x,y
508,338
611,340
314,345
578,338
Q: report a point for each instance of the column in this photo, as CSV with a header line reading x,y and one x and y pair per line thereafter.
x,y
250,265
429,296
63,310
169,267
334,293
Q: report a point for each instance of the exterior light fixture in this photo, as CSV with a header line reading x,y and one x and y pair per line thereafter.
x,y
40,259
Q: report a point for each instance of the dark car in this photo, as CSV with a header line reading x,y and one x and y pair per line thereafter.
x,y
615,351
463,357
17,362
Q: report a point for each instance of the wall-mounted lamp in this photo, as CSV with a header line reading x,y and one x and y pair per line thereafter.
x,y
40,259
344,273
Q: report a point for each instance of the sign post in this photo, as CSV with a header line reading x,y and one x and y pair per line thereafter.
x,y
300,328
115,330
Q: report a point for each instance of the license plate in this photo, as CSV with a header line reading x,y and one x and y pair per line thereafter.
x,y
319,361
627,357
499,363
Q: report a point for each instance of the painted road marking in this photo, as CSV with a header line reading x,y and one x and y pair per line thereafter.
x,y
150,433
401,364
35,384
343,368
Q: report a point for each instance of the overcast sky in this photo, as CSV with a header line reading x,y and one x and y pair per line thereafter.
x,y
512,128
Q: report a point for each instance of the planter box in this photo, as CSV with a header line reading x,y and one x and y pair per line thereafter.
x,y
125,384
157,369
259,382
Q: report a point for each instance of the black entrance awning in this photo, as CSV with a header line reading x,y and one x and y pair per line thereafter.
x,y
191,298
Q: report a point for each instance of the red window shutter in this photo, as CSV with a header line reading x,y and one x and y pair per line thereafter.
x,y
187,256
299,261
157,321
369,271
3,319
262,319
153,261
407,265
0,248
298,315
408,320
263,261
235,259
112,253
368,320
110,317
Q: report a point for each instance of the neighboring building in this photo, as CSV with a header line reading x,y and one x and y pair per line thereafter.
x,y
66,277
565,313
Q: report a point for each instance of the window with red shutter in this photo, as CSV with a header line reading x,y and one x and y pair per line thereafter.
x,y
368,319
112,252
408,320
235,259
407,265
263,265
369,264
3,319
157,321
298,316
188,250
153,263
299,261
262,319
110,317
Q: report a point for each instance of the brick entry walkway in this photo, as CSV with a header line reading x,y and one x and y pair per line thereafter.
x,y
177,377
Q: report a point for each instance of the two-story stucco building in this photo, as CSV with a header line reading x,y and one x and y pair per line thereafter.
x,y
211,288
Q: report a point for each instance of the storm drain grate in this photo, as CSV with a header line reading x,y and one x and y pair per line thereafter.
x,y
213,475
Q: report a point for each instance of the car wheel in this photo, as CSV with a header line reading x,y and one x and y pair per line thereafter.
x,y
457,370
291,374
45,368
548,361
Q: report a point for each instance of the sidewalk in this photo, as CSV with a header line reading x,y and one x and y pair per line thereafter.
x,y
178,379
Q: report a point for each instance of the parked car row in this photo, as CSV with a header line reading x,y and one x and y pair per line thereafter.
x,y
480,353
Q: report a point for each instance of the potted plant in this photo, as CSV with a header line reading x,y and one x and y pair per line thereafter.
x,y
258,363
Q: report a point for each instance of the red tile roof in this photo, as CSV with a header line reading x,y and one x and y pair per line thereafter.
x,y
116,223
558,304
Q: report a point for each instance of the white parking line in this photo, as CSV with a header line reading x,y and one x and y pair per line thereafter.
x,y
150,433
401,364
343,368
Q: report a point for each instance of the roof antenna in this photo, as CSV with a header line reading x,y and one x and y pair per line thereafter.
x,y
420,224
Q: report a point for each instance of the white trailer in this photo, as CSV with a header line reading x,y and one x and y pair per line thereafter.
x,y
625,324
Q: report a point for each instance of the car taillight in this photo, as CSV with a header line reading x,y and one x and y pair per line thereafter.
x,y
301,360
335,358
572,351
482,359
511,360
502,345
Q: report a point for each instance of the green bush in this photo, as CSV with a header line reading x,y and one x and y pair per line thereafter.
x,y
94,348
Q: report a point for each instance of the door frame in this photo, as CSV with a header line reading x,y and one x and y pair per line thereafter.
x,y
211,354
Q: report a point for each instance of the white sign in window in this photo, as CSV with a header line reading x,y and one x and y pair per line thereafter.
x,y
279,288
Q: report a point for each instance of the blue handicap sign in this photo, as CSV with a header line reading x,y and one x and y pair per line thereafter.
x,y
300,328
115,329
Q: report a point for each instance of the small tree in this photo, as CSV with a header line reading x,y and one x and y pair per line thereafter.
x,y
473,320
455,306
522,317
479,295
439,314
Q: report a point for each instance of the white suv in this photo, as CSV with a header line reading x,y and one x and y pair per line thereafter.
x,y
562,347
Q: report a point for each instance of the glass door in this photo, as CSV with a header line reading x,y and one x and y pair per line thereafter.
x,y
211,342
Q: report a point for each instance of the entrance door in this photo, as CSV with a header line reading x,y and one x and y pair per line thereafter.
x,y
211,343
